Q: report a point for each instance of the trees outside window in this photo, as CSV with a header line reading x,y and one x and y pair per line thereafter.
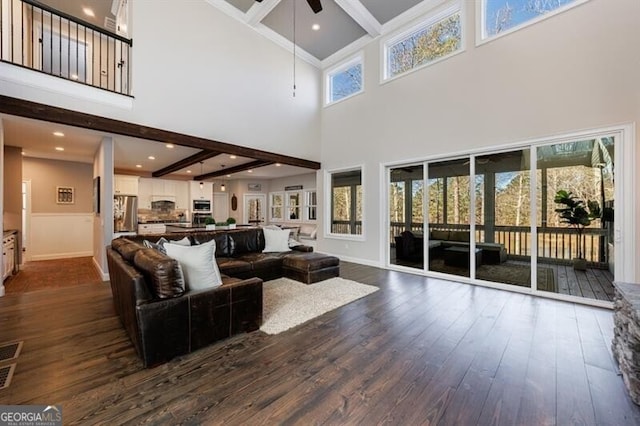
x,y
431,40
346,202
500,16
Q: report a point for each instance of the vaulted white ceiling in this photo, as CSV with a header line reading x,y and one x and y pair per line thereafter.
x,y
343,24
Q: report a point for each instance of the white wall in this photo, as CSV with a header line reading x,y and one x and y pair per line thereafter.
x,y
577,70
198,71
103,222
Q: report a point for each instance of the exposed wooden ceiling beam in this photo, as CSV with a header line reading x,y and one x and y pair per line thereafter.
x,y
186,162
37,111
235,169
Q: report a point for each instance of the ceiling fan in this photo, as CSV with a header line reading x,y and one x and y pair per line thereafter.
x,y
315,5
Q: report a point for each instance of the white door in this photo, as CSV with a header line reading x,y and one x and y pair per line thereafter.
x,y
254,208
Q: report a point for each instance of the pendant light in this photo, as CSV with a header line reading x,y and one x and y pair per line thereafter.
x,y
201,182
222,187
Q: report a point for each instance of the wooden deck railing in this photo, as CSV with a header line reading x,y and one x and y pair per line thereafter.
x,y
43,39
554,244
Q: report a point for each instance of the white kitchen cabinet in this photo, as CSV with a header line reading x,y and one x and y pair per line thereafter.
x,y
182,195
174,190
151,228
144,193
204,193
125,185
8,255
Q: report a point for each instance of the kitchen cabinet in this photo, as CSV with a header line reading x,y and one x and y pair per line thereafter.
x,y
9,252
174,190
182,195
151,228
125,185
204,193
144,193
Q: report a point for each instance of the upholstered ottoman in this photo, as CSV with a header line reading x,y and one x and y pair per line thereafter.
x,y
311,267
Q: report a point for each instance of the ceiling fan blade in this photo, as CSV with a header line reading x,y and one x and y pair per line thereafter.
x,y
315,5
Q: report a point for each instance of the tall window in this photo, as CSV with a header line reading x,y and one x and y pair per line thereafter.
x,y
500,16
345,80
436,38
346,202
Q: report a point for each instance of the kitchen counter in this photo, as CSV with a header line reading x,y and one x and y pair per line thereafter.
x,y
184,227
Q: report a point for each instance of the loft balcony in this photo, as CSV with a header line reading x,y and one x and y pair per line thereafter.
x,y
37,37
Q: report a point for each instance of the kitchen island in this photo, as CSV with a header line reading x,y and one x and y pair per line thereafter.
x,y
184,227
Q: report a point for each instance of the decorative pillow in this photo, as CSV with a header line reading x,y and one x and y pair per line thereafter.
x,y
159,245
276,240
294,243
198,264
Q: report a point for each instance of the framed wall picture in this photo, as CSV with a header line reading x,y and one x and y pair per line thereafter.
x,y
65,195
254,187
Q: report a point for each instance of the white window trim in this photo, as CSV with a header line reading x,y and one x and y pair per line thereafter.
x,y
328,195
307,205
482,37
271,207
433,18
337,69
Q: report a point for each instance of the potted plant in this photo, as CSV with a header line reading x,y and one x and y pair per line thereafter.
x,y
577,215
231,223
209,223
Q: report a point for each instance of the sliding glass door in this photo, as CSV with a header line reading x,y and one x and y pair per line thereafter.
x,y
503,218
540,217
449,217
406,216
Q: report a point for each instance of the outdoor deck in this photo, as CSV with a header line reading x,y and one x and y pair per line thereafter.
x,y
592,284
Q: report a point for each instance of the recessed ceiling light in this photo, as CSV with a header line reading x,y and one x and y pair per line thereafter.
x,y
188,171
233,157
74,76
58,134
59,148
89,12
315,27
278,164
250,171
22,152
151,157
228,175
169,145
139,166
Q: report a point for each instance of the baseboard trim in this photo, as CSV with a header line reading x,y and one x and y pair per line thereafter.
x,y
55,256
103,275
357,260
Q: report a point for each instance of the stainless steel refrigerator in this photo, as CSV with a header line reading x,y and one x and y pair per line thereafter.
x,y
125,213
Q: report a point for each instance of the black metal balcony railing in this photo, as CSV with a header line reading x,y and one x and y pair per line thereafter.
x,y
555,245
35,36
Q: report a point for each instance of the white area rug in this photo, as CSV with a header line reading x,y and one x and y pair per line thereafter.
x,y
287,303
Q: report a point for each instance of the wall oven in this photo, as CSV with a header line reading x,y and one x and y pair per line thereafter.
x,y
202,206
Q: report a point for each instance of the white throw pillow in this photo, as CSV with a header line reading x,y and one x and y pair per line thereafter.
x,y
198,264
183,242
275,240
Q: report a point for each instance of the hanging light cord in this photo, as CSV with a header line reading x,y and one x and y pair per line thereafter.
x,y
294,48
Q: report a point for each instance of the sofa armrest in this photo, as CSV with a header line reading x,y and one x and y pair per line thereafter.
x,y
302,248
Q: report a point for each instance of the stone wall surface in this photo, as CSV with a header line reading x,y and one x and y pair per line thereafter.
x,y
626,340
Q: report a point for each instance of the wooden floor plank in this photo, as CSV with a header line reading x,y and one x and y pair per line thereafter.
x,y
419,351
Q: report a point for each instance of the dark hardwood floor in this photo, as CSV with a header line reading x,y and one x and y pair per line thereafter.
x,y
419,351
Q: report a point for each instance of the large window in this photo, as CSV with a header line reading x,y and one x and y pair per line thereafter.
x,y
346,202
436,38
345,80
500,16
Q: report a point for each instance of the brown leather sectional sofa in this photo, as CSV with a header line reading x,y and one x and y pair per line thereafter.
x,y
165,320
